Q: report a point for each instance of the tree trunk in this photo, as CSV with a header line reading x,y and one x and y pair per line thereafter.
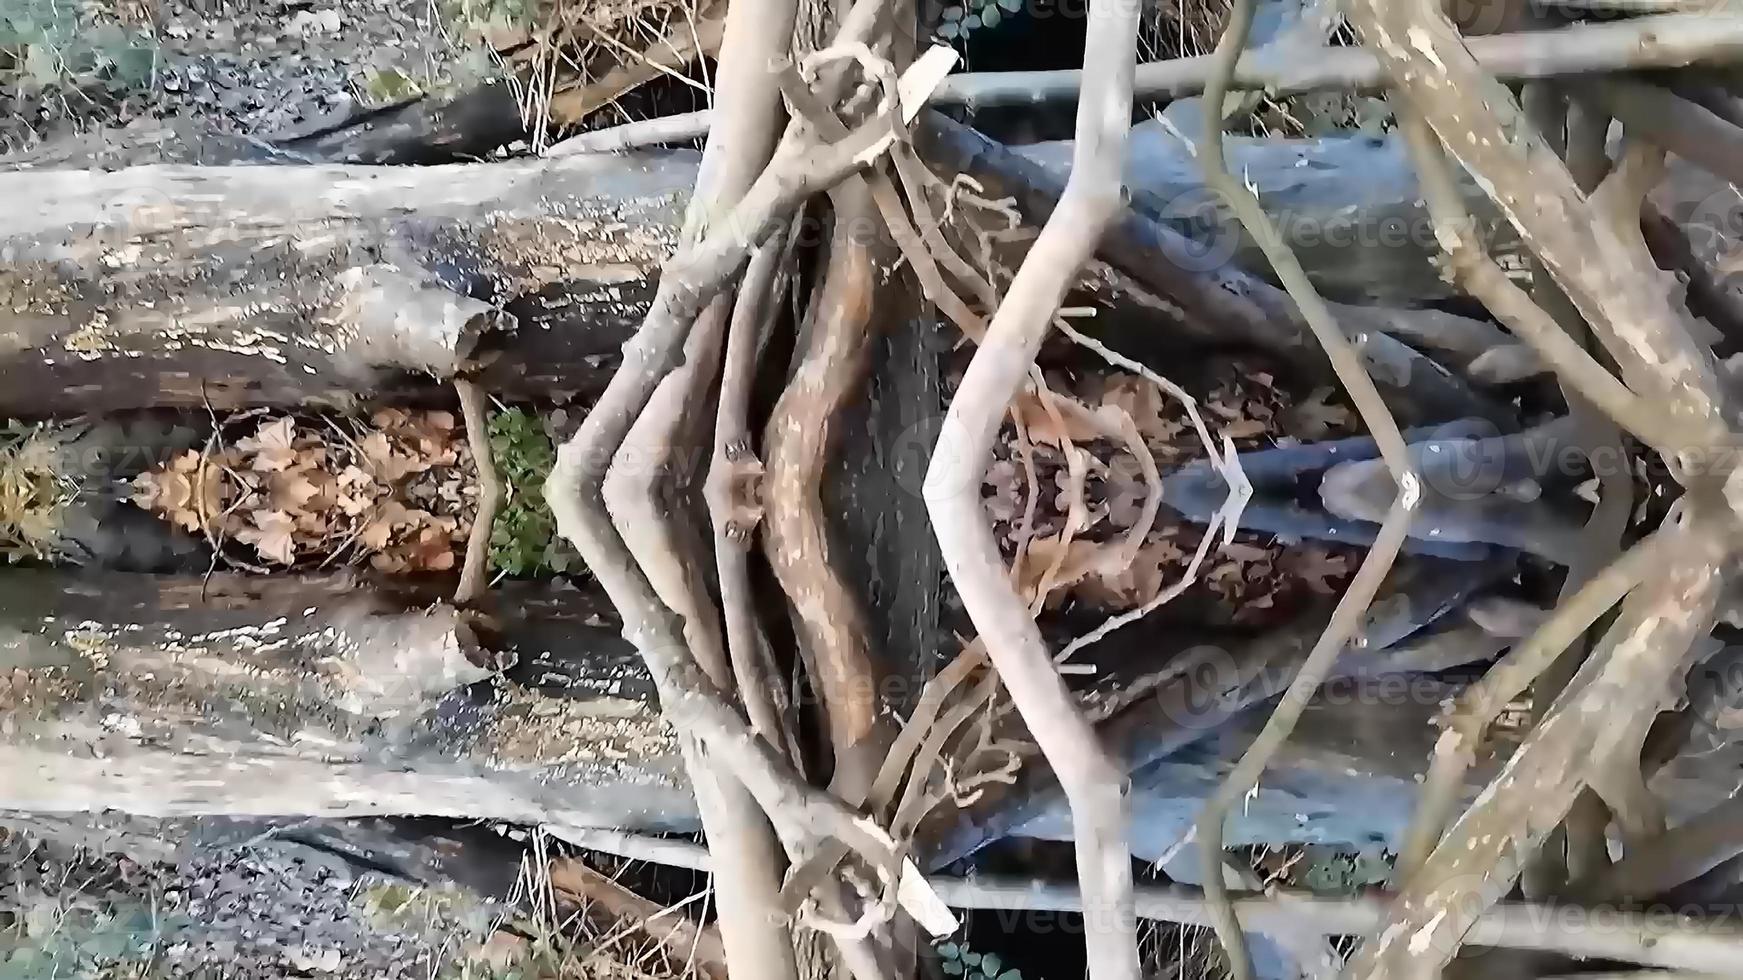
x,y
308,695
171,286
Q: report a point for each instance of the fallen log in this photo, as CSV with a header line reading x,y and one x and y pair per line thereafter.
x,y
1348,205
310,696
232,286
1209,298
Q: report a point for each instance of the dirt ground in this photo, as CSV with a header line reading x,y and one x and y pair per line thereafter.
x,y
255,68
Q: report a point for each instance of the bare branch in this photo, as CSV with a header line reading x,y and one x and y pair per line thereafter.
x,y
1684,854
1684,128
1616,694
734,494
475,568
683,941
1458,744
678,128
1094,785
1473,269
1351,607
1603,269
830,624
1665,41
1643,937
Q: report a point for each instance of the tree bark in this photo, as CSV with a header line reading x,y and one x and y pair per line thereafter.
x,y
168,696
168,286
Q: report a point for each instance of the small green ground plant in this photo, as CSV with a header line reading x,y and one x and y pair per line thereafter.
x,y
54,44
523,539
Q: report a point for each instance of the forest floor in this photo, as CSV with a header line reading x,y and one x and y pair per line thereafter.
x,y
255,68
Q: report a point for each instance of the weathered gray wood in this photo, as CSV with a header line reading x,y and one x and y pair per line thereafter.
x,y
161,285
316,696
1348,205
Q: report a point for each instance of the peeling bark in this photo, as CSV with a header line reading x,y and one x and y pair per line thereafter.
x,y
177,696
161,286
1592,249
1616,694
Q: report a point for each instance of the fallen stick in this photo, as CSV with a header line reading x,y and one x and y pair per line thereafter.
x,y
1664,41
1646,937
679,128
474,570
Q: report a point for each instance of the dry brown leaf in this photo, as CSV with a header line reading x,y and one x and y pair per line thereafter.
x,y
273,445
375,535
1318,568
273,536
1316,417
1080,560
1149,408
389,419
291,491
1079,426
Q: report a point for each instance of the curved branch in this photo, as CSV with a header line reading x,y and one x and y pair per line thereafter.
x,y
1094,784
830,623
759,684
1620,688
475,569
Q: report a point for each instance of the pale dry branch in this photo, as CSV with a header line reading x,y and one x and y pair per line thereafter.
x,y
1622,935
677,128
1615,695
1471,267
734,494
475,568
1664,41
1644,937
1352,606
1457,746
1603,268
1094,785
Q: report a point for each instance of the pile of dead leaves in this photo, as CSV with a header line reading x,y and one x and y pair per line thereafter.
x,y
399,491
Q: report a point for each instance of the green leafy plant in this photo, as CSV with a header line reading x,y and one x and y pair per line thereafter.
x,y
957,960
523,539
45,43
